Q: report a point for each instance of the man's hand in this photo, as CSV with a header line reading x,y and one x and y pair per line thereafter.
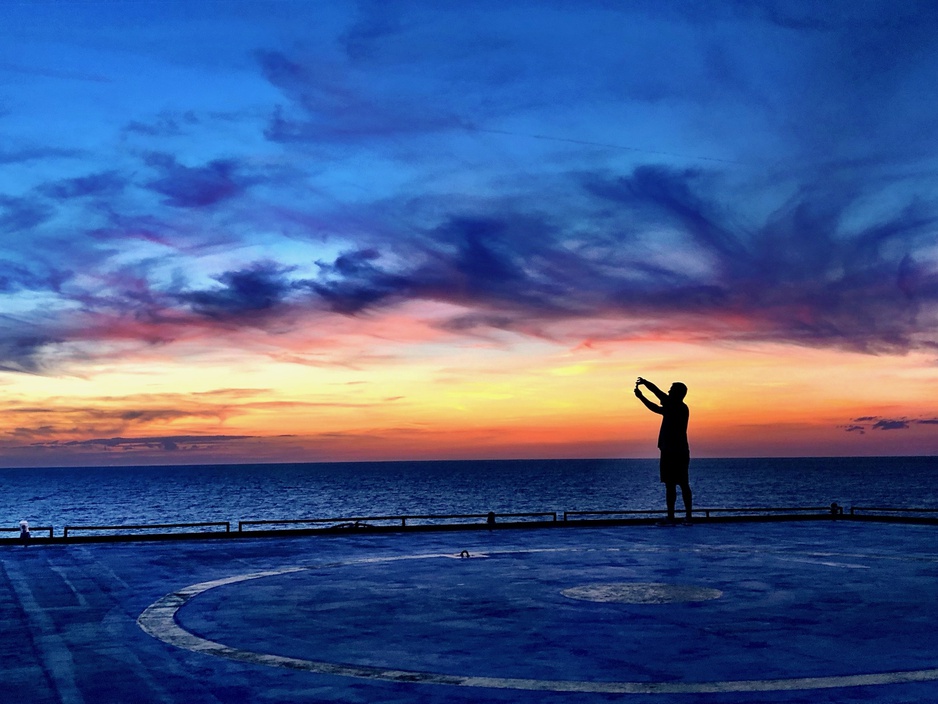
x,y
639,382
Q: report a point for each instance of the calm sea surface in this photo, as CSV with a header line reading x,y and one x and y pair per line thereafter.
x,y
126,495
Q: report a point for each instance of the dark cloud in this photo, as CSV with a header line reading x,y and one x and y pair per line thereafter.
x,y
860,425
27,154
31,276
105,183
508,266
44,72
891,424
169,443
377,21
21,214
166,124
245,293
24,352
198,186
353,282
326,104
867,22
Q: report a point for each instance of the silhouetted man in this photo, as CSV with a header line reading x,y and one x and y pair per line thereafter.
x,y
672,441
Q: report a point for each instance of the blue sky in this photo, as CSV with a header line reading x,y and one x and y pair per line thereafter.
x,y
229,173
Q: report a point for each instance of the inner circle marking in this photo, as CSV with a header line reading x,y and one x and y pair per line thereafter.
x,y
158,620
641,593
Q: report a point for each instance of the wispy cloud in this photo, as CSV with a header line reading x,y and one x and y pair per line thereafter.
x,y
25,154
861,425
166,124
105,183
168,443
329,102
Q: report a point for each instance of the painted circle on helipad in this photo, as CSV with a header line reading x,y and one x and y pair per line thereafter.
x,y
161,621
641,593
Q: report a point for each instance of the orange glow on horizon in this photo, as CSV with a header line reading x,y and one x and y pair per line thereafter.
x,y
526,399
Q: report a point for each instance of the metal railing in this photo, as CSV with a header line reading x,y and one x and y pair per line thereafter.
x,y
32,530
583,514
766,509
364,521
747,510
149,526
888,509
534,518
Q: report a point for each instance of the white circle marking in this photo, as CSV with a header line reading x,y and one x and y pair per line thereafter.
x,y
159,621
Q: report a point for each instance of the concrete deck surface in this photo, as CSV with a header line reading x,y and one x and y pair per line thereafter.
x,y
789,612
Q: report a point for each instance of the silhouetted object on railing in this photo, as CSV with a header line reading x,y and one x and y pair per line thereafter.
x,y
490,519
672,442
24,533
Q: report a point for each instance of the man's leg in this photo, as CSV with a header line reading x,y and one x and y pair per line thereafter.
x,y
688,499
671,496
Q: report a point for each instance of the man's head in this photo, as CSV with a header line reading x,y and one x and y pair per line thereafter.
x,y
677,391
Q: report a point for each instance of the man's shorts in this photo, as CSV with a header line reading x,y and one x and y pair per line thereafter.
x,y
674,466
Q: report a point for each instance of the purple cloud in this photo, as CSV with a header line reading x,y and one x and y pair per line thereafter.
x,y
878,423
196,187
891,424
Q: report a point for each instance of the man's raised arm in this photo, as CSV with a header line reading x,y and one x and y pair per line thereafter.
x,y
651,387
648,404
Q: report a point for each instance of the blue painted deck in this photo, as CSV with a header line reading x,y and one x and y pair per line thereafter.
x,y
786,612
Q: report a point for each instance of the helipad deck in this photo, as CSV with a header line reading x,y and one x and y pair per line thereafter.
x,y
768,612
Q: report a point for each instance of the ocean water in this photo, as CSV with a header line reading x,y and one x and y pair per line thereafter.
x,y
170,494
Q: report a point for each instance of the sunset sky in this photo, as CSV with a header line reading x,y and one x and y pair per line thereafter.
x,y
311,231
